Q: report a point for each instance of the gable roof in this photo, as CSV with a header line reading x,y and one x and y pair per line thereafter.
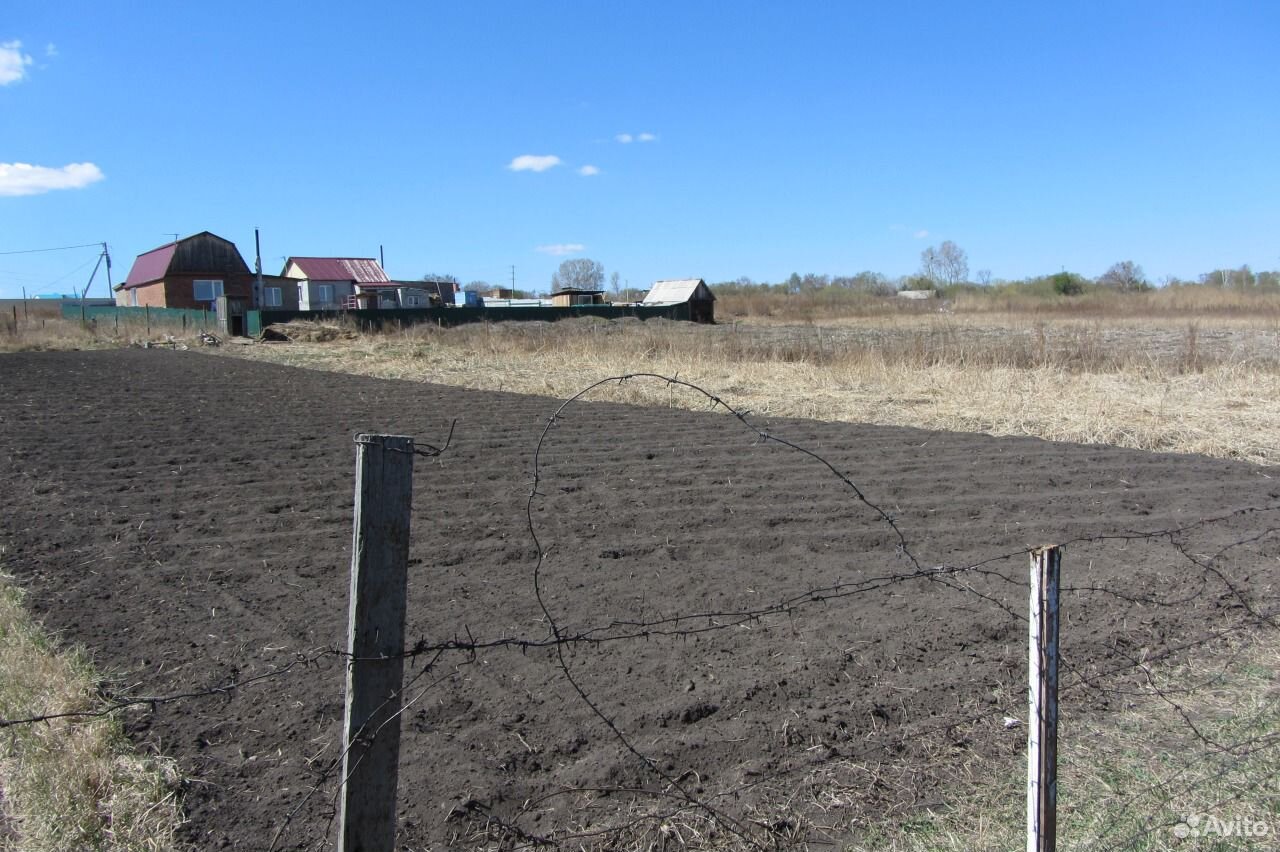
x,y
677,291
361,270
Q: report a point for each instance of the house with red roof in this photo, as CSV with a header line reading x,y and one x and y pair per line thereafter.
x,y
331,283
188,273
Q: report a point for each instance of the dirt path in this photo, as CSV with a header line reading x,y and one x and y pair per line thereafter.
x,y
188,519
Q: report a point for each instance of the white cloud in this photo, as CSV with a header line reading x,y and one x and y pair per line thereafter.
x,y
647,137
588,171
26,179
624,138
13,62
534,163
50,50
560,249
920,234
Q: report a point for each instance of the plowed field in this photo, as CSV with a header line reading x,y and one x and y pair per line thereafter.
x,y
188,519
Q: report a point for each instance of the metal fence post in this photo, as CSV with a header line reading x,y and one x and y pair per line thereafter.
x,y
1042,723
375,668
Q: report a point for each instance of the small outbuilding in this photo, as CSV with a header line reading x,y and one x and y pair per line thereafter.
x,y
570,296
691,291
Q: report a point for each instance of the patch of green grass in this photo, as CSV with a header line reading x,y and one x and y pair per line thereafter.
x,y
70,783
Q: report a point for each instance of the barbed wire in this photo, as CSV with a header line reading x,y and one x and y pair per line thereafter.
x,y
963,579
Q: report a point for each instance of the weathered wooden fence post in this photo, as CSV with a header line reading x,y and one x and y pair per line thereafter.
x,y
147,309
1042,723
375,668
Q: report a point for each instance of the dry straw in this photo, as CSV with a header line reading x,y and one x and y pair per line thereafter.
x,y
1184,387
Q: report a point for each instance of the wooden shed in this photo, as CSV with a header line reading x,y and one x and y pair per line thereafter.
x,y
680,291
570,296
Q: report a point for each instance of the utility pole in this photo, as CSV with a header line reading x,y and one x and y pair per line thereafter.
x,y
257,285
382,260
107,255
513,280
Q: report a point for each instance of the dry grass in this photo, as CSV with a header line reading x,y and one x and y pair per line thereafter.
x,y
1153,385
40,334
70,784
1183,303
1208,748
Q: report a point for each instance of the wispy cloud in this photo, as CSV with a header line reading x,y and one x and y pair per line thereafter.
x,y
13,62
534,162
588,171
646,137
628,138
26,179
916,233
51,50
559,249
625,138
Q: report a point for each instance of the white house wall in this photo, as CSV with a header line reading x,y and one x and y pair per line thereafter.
x,y
309,294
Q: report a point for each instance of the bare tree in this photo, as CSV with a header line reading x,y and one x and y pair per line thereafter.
x,y
615,284
1125,276
580,273
945,265
478,287
449,279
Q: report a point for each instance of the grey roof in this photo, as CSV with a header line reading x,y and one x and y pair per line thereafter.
x,y
678,291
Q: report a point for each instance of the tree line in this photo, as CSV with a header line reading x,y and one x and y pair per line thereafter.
x,y
945,269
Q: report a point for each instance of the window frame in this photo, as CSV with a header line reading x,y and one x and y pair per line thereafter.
x,y
214,286
272,297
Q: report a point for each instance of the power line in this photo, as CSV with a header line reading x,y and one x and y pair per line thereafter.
x,y
58,248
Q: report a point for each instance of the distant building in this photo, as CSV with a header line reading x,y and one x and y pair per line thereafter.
x,y
393,295
570,296
188,273
441,292
330,283
279,293
694,291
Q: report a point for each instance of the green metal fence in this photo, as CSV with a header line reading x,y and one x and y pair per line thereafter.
x,y
167,317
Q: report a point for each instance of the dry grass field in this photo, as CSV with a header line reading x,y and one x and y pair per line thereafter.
x,y
1183,385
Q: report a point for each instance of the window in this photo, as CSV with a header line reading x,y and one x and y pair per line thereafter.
x,y
271,297
206,290
324,293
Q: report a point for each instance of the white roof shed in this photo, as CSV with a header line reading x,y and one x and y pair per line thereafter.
x,y
678,291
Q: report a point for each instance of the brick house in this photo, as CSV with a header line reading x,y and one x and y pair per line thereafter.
x,y
188,273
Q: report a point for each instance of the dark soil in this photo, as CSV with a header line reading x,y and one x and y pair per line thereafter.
x,y
188,519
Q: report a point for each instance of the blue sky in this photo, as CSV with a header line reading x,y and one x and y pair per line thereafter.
x,y
764,138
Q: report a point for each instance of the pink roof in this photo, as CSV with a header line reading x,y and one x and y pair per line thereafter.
x,y
361,270
150,266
